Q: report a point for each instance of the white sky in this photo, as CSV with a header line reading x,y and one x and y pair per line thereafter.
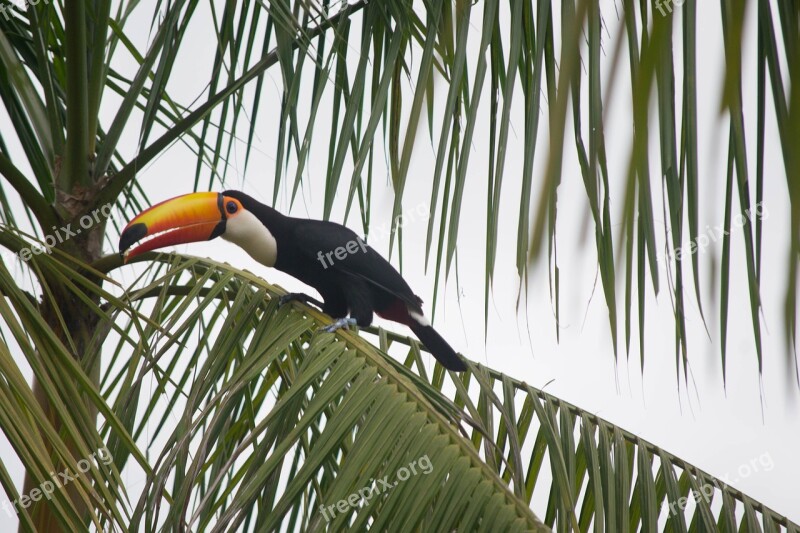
x,y
721,430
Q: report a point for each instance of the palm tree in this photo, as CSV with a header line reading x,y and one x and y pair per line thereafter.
x,y
231,411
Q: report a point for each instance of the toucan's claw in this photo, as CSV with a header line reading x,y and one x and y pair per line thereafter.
x,y
300,297
340,323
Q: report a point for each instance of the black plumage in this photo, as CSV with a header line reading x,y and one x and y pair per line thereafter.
x,y
360,283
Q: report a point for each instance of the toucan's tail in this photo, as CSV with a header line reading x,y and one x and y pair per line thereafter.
x,y
434,342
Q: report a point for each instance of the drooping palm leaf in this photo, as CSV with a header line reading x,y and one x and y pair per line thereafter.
x,y
295,40
271,420
250,416
252,354
590,459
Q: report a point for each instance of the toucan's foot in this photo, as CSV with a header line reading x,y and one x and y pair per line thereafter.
x,y
300,297
340,323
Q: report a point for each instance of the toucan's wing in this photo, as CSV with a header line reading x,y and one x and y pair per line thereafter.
x,y
314,236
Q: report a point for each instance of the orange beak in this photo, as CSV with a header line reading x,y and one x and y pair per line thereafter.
x,y
189,218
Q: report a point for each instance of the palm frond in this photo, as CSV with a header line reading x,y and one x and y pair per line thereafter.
x,y
518,63
597,475
274,424
250,416
251,355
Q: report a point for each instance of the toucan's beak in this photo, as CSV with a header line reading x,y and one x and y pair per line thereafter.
x,y
189,218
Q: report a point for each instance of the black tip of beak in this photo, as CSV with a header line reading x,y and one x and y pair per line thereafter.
x,y
131,235
219,229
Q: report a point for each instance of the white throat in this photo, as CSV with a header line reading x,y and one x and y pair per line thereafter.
x,y
246,231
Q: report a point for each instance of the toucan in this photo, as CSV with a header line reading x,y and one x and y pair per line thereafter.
x,y
352,278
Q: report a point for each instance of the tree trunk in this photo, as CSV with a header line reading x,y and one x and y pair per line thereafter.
x,y
81,325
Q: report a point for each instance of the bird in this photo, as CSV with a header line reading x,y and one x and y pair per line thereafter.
x,y
353,279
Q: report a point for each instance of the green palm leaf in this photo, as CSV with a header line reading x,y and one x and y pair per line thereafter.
x,y
260,420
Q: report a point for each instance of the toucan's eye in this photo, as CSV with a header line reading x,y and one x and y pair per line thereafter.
x,y
231,207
